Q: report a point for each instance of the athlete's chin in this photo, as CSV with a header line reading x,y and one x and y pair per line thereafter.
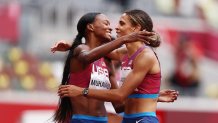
x,y
107,39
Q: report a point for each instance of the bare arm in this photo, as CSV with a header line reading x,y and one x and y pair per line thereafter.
x,y
117,54
119,95
144,36
61,45
133,79
103,50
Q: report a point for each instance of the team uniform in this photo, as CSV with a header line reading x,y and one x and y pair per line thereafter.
x,y
95,76
149,88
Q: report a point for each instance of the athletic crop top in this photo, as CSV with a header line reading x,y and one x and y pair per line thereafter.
x,y
150,86
95,76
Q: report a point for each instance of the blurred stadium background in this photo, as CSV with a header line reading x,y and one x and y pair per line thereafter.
x,y
30,73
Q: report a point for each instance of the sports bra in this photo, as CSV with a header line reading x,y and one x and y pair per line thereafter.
x,y
95,76
150,86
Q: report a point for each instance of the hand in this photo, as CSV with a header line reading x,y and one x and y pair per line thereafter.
x,y
69,91
168,95
60,46
155,40
144,36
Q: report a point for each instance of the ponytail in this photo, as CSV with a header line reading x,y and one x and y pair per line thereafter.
x,y
77,41
65,109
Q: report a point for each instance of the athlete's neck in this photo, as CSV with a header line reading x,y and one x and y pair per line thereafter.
x,y
133,47
93,41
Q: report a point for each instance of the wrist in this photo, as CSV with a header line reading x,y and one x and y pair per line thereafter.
x,y
68,45
68,48
123,40
85,92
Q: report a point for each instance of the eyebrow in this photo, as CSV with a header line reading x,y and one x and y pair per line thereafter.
x,y
107,21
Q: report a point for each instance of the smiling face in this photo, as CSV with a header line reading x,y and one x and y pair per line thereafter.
x,y
101,27
133,21
124,26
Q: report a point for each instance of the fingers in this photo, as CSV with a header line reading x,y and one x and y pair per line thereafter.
x,y
146,33
171,91
147,39
63,87
58,46
151,38
63,91
174,96
54,48
144,39
140,36
174,92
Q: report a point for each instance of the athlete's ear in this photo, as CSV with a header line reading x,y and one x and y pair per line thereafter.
x,y
138,27
90,27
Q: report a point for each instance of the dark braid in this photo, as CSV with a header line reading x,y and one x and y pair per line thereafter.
x,y
65,109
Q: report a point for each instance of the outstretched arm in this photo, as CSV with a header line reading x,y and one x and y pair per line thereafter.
x,y
63,45
88,56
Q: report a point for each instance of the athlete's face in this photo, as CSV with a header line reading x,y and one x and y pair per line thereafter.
x,y
124,26
101,27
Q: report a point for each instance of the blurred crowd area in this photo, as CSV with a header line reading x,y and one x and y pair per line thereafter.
x,y
28,28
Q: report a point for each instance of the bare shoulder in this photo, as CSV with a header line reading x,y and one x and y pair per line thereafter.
x,y
81,48
147,54
122,50
145,58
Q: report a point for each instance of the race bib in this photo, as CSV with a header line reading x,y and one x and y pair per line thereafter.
x,y
99,78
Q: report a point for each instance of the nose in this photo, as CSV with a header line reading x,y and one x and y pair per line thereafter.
x,y
116,28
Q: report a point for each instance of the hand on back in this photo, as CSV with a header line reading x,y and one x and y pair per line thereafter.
x,y
168,95
61,45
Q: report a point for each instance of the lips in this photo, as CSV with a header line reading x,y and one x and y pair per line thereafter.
x,y
118,33
108,33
